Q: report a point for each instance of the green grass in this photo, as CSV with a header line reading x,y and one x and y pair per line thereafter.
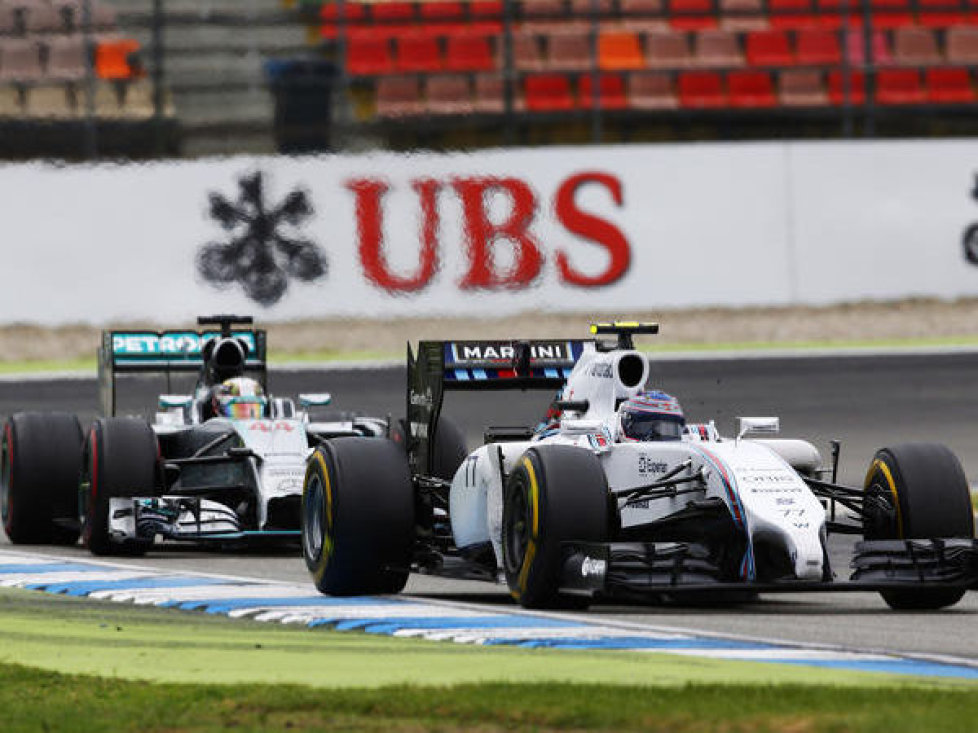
x,y
165,645
34,700
69,664
331,356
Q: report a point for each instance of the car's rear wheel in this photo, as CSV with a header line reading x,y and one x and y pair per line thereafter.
x,y
40,456
555,493
121,459
917,491
358,517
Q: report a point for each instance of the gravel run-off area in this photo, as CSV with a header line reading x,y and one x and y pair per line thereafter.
x,y
885,323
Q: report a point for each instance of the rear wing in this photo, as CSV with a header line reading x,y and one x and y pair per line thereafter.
x,y
477,366
166,353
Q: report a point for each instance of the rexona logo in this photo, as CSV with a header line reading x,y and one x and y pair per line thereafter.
x,y
263,248
593,567
483,236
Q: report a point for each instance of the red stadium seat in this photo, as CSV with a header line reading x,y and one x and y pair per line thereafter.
x,y
949,85
490,94
940,13
891,13
769,48
392,18
486,16
354,15
857,87
691,14
448,95
802,88
751,89
818,47
791,14
469,53
701,90
366,56
830,14
547,93
611,91
399,97
441,11
418,53
651,90
899,86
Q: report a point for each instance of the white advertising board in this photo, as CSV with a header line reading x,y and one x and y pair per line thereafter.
x,y
610,228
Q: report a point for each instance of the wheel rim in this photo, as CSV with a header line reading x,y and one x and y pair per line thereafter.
x,y
517,529
313,507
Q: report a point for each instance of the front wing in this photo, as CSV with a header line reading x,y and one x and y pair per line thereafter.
x,y
645,569
184,519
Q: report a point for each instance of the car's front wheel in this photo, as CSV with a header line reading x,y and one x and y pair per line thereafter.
x,y
917,491
358,517
121,459
556,493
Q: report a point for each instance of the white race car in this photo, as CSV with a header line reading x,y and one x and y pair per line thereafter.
x,y
223,465
615,495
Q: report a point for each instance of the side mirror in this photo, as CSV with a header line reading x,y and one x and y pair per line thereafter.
x,y
315,399
764,425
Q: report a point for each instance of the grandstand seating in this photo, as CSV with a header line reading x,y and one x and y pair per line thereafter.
x,y
651,91
442,56
44,57
611,91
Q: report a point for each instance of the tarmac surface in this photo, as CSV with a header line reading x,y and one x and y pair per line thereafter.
x,y
865,401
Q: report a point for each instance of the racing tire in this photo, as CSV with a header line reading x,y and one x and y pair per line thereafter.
x,y
450,446
121,459
917,491
40,456
555,494
358,517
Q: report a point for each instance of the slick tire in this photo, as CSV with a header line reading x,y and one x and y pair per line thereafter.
x,y
40,456
121,459
554,494
358,517
917,491
450,446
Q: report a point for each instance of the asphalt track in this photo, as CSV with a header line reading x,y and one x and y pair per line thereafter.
x,y
864,401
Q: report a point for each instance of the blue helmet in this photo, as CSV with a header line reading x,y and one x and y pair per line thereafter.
x,y
650,416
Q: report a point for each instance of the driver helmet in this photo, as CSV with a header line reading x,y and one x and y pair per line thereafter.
x,y
651,416
240,398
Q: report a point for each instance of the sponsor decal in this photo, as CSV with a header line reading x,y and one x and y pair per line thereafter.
x,y
600,441
593,567
601,370
422,399
263,248
647,465
487,241
503,352
171,343
265,426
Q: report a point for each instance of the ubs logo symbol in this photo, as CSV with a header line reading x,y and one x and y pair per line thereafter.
x,y
970,240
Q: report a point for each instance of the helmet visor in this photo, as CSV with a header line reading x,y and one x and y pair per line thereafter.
x,y
647,426
242,408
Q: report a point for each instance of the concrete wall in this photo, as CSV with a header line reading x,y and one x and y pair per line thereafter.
x,y
614,228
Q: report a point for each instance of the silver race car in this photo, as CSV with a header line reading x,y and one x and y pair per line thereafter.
x,y
616,495
223,464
